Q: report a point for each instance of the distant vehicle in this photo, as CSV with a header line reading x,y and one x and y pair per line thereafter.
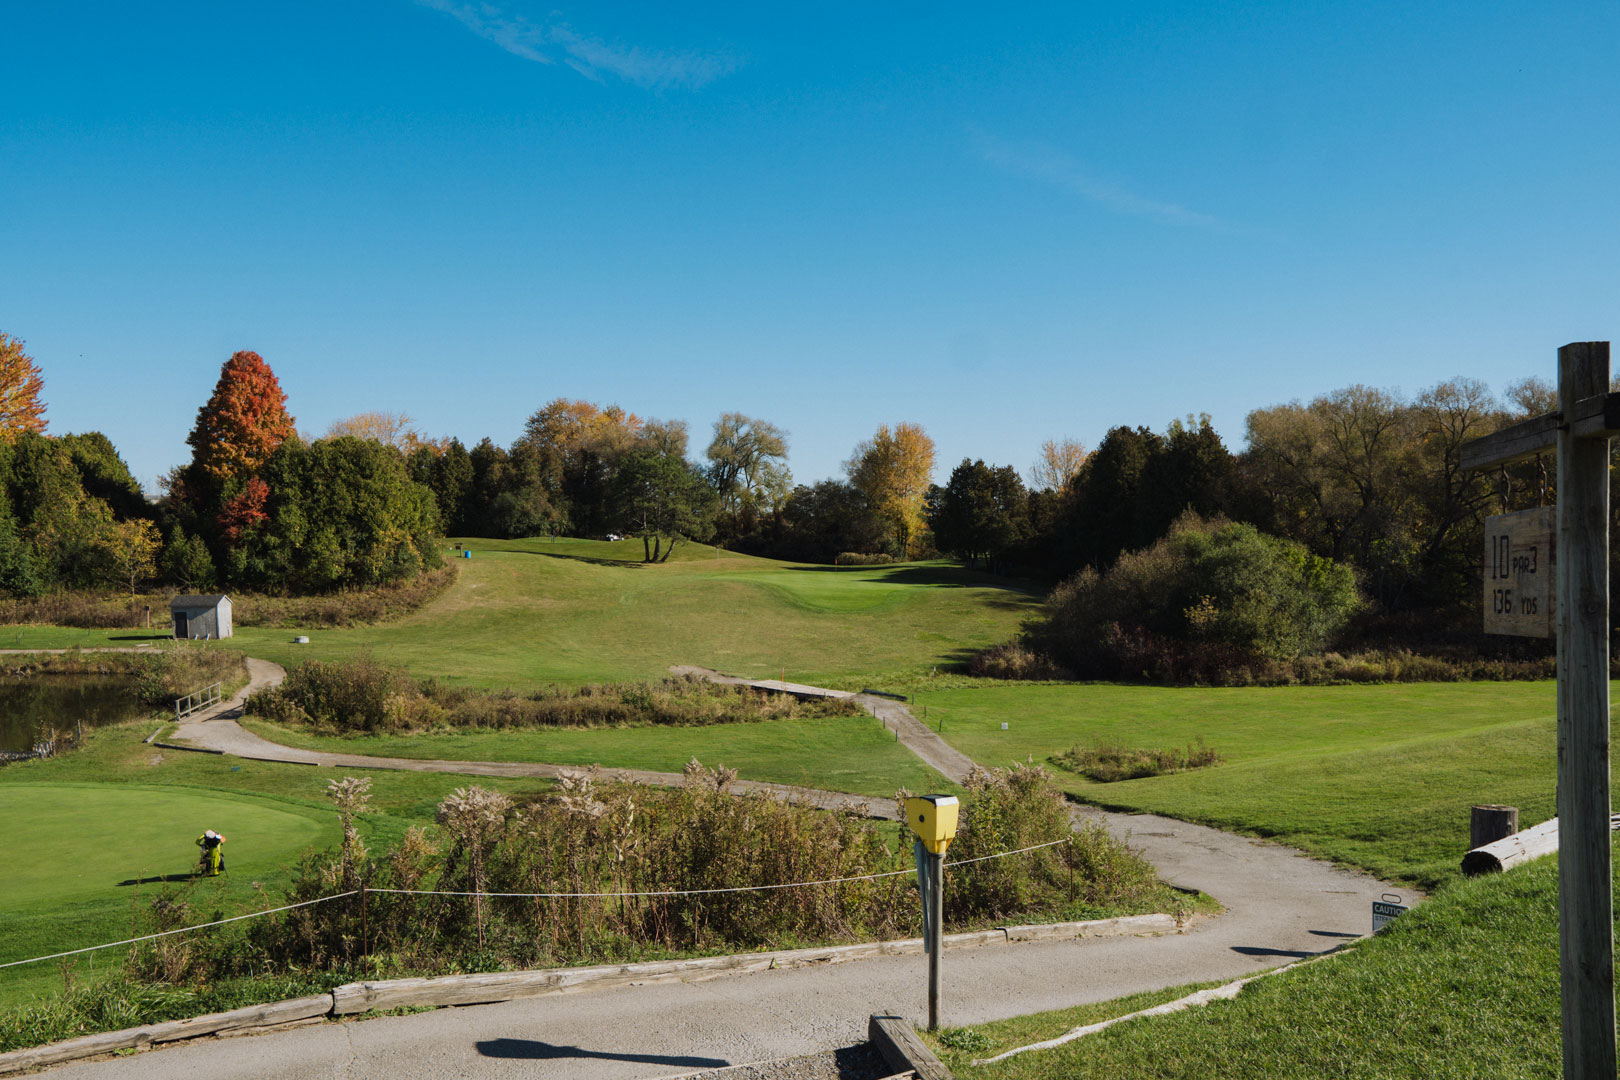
x,y
614,536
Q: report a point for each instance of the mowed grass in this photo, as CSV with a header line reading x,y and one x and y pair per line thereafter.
x,y
118,811
1464,986
524,614
848,753
1379,777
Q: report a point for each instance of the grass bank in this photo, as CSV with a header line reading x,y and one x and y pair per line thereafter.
x,y
1378,777
1464,986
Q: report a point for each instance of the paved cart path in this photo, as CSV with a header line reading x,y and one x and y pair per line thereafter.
x,y
1280,905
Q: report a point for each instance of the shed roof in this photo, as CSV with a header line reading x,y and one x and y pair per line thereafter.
x,y
211,600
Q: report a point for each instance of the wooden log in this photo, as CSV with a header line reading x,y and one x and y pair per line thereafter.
x,y
1510,851
274,1014
1489,823
1126,925
510,985
253,1016
72,1049
233,1033
895,1039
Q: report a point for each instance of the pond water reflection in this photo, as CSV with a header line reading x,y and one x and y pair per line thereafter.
x,y
30,706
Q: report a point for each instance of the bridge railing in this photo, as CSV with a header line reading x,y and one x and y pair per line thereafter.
x,y
202,699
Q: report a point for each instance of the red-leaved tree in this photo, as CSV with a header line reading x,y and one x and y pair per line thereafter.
x,y
20,383
244,511
242,424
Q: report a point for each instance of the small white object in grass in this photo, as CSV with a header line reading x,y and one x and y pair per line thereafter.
x,y
301,640
1004,725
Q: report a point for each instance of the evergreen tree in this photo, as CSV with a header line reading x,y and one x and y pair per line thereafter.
x,y
185,562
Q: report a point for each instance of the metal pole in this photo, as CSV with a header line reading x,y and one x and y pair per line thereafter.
x,y
1585,912
936,908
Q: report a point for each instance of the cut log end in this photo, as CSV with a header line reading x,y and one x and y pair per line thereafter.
x,y
1477,863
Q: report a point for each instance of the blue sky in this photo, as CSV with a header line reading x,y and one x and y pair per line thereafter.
x,y
1005,223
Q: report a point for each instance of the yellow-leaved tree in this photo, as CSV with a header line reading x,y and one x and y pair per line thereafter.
x,y
1058,464
893,470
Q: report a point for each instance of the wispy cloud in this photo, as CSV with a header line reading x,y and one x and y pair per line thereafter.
x,y
1038,161
554,41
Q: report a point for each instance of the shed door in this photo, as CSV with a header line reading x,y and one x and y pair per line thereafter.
x,y
182,626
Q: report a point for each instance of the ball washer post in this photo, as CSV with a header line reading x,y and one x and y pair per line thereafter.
x,y
933,819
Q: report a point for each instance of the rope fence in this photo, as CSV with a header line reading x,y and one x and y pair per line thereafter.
x,y
183,929
536,896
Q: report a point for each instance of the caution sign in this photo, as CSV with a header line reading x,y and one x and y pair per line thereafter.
x,y
1385,913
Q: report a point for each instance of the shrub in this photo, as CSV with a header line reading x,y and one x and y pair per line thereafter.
x,y
349,607
1217,582
1210,596
363,695
352,695
184,669
1108,764
1009,809
92,610
856,558
1015,661
641,845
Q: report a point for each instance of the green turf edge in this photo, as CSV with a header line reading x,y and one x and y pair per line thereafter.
x,y
1465,985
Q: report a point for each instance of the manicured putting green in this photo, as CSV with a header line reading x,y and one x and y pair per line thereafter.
x,y
87,842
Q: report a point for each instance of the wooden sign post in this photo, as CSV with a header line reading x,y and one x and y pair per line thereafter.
x,y
1588,416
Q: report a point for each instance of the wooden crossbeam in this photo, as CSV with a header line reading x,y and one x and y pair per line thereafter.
x,y
1595,418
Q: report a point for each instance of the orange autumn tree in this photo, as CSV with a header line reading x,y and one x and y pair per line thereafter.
x,y
242,423
20,384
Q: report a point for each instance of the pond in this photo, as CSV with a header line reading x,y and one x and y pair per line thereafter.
x,y
30,706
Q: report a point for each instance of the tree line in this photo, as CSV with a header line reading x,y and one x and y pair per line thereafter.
x,y
263,507
1364,478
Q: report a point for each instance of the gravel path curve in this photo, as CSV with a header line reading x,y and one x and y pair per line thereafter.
x,y
217,730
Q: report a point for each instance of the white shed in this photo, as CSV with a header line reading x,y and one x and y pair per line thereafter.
x,y
201,617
